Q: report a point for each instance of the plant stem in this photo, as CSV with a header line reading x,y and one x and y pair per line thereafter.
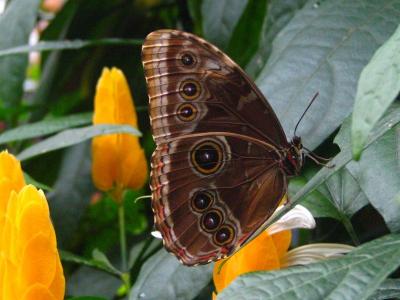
x,y
122,236
122,239
350,230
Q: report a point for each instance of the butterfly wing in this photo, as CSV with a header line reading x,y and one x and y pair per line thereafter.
x,y
194,87
206,217
215,173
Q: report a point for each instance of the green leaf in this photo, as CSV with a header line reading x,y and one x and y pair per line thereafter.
x,y
247,33
378,86
57,30
314,54
316,202
71,193
69,45
86,298
354,276
44,127
16,24
220,18
389,289
86,281
194,7
344,193
279,15
164,277
71,137
339,197
100,258
98,261
143,250
377,172
39,185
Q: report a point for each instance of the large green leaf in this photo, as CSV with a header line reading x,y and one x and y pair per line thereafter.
x,y
16,24
164,277
86,281
247,33
44,127
389,289
354,276
71,193
279,13
377,172
220,18
74,136
378,86
323,49
142,251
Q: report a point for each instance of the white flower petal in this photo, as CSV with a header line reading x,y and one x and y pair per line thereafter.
x,y
298,217
2,6
156,234
314,252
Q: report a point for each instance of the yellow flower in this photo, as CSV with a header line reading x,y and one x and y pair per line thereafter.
x,y
264,253
11,179
269,250
118,160
30,266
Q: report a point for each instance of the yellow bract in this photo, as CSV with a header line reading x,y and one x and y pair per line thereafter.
x,y
263,253
11,178
30,266
118,159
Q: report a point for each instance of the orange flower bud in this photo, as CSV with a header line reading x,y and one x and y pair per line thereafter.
x,y
118,159
30,266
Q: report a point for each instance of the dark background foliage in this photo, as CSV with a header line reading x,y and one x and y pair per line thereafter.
x,y
292,49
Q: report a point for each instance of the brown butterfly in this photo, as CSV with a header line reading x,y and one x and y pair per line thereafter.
x,y
222,159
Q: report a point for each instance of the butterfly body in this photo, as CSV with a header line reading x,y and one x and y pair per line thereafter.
x,y
222,159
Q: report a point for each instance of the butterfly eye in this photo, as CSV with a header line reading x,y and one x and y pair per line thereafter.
x,y
224,235
190,89
201,201
211,220
188,59
186,112
207,157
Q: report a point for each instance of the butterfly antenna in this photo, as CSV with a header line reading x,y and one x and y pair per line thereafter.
x,y
142,197
308,106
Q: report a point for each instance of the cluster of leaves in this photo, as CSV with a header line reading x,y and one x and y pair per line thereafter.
x,y
348,51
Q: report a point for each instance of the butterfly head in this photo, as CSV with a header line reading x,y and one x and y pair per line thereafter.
x,y
294,157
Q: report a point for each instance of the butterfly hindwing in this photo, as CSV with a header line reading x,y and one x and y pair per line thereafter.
x,y
183,195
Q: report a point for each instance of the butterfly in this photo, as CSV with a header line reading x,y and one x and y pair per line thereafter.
x,y
222,160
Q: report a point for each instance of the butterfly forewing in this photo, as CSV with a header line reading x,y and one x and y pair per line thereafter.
x,y
219,93
216,174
